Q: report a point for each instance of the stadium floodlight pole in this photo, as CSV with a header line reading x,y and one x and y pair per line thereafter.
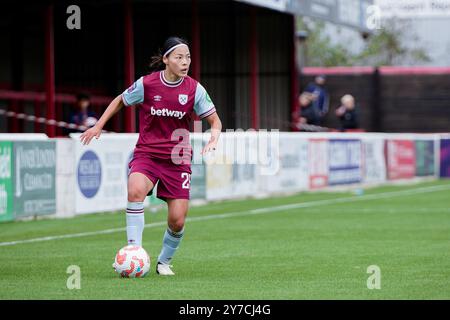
x,y
50,69
129,113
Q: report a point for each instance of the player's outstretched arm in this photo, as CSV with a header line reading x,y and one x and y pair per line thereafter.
x,y
96,130
216,128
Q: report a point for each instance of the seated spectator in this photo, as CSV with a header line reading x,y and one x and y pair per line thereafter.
x,y
347,113
308,113
82,115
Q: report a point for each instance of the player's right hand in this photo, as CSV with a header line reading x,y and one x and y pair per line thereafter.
x,y
89,134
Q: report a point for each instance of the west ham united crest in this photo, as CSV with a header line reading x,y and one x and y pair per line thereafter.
x,y
182,98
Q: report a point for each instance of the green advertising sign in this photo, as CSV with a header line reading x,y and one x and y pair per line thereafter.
x,y
6,187
34,177
424,158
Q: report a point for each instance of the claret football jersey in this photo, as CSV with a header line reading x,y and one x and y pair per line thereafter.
x,y
165,112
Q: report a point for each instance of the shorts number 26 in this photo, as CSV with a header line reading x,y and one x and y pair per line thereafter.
x,y
187,180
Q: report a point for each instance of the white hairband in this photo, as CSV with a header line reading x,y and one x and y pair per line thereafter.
x,y
173,48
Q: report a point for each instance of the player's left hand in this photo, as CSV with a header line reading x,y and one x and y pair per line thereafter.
x,y
211,146
87,136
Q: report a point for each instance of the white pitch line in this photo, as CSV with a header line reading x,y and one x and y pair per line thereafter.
x,y
376,196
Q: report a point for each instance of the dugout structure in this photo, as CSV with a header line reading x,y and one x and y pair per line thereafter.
x,y
243,52
390,99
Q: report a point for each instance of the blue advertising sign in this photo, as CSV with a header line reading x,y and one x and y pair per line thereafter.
x,y
445,158
344,161
89,174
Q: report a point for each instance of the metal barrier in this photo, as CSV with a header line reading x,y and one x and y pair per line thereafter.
x,y
17,99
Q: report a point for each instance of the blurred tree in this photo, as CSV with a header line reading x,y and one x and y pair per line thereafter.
x,y
390,45
319,49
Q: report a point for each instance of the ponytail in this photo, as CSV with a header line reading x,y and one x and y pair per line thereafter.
x,y
156,63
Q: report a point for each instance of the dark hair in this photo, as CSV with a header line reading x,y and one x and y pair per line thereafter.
x,y
83,96
156,62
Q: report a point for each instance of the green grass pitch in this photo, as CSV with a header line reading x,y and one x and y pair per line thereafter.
x,y
306,246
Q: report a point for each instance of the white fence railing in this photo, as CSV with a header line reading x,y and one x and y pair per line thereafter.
x,y
93,178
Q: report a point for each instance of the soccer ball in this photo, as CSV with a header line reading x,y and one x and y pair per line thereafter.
x,y
132,262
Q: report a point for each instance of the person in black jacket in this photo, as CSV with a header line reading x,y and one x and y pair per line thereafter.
x,y
308,113
347,113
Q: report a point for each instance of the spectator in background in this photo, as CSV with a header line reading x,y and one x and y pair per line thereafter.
x,y
320,96
308,113
347,113
83,116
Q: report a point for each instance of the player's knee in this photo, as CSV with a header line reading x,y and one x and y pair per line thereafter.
x,y
177,225
135,194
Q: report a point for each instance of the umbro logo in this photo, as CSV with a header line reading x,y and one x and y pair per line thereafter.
x,y
157,98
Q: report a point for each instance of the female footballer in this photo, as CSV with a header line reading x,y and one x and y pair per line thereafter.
x,y
167,99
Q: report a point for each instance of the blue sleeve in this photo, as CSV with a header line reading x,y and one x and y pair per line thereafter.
x,y
134,94
203,106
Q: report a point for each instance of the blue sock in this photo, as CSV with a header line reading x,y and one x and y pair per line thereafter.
x,y
171,242
135,222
